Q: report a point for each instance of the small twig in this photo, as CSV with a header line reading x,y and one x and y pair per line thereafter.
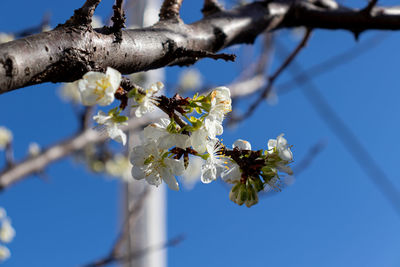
x,y
83,16
332,63
118,20
181,52
273,77
170,10
369,7
137,254
308,159
129,221
210,7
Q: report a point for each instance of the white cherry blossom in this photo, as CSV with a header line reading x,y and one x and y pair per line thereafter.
x,y
120,167
112,127
145,104
158,132
7,232
221,102
5,137
99,88
281,146
215,163
150,163
4,253
232,174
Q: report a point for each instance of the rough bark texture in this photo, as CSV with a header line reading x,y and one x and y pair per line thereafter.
x,y
67,52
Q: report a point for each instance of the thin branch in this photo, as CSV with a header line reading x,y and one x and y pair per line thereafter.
x,y
83,16
274,76
360,154
31,165
369,7
137,254
118,20
332,63
311,155
211,7
170,10
194,55
128,223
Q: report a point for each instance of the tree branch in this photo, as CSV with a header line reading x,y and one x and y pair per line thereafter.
x,y
47,57
170,10
210,7
274,76
83,16
30,165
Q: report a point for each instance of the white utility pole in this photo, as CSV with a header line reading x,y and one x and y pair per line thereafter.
x,y
149,229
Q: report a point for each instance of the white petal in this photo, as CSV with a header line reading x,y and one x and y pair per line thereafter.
x,y
153,179
176,166
114,77
286,154
198,140
282,142
241,145
232,173
171,181
208,173
116,134
271,144
138,173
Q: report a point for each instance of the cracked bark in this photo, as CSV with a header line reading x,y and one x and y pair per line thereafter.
x,y
67,52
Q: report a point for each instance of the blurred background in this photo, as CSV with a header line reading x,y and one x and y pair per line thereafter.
x,y
334,214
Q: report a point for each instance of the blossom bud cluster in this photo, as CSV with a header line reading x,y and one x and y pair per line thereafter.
x,y
7,234
191,130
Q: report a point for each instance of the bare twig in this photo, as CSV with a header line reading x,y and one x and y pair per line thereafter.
x,y
274,76
369,7
304,163
118,20
210,7
128,223
170,10
137,254
332,63
309,158
195,55
349,140
83,16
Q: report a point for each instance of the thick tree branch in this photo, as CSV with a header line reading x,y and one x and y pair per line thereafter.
x,y
47,57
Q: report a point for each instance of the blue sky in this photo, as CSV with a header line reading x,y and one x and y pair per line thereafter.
x,y
331,216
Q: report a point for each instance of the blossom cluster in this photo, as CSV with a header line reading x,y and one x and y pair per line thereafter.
x,y
7,234
192,129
